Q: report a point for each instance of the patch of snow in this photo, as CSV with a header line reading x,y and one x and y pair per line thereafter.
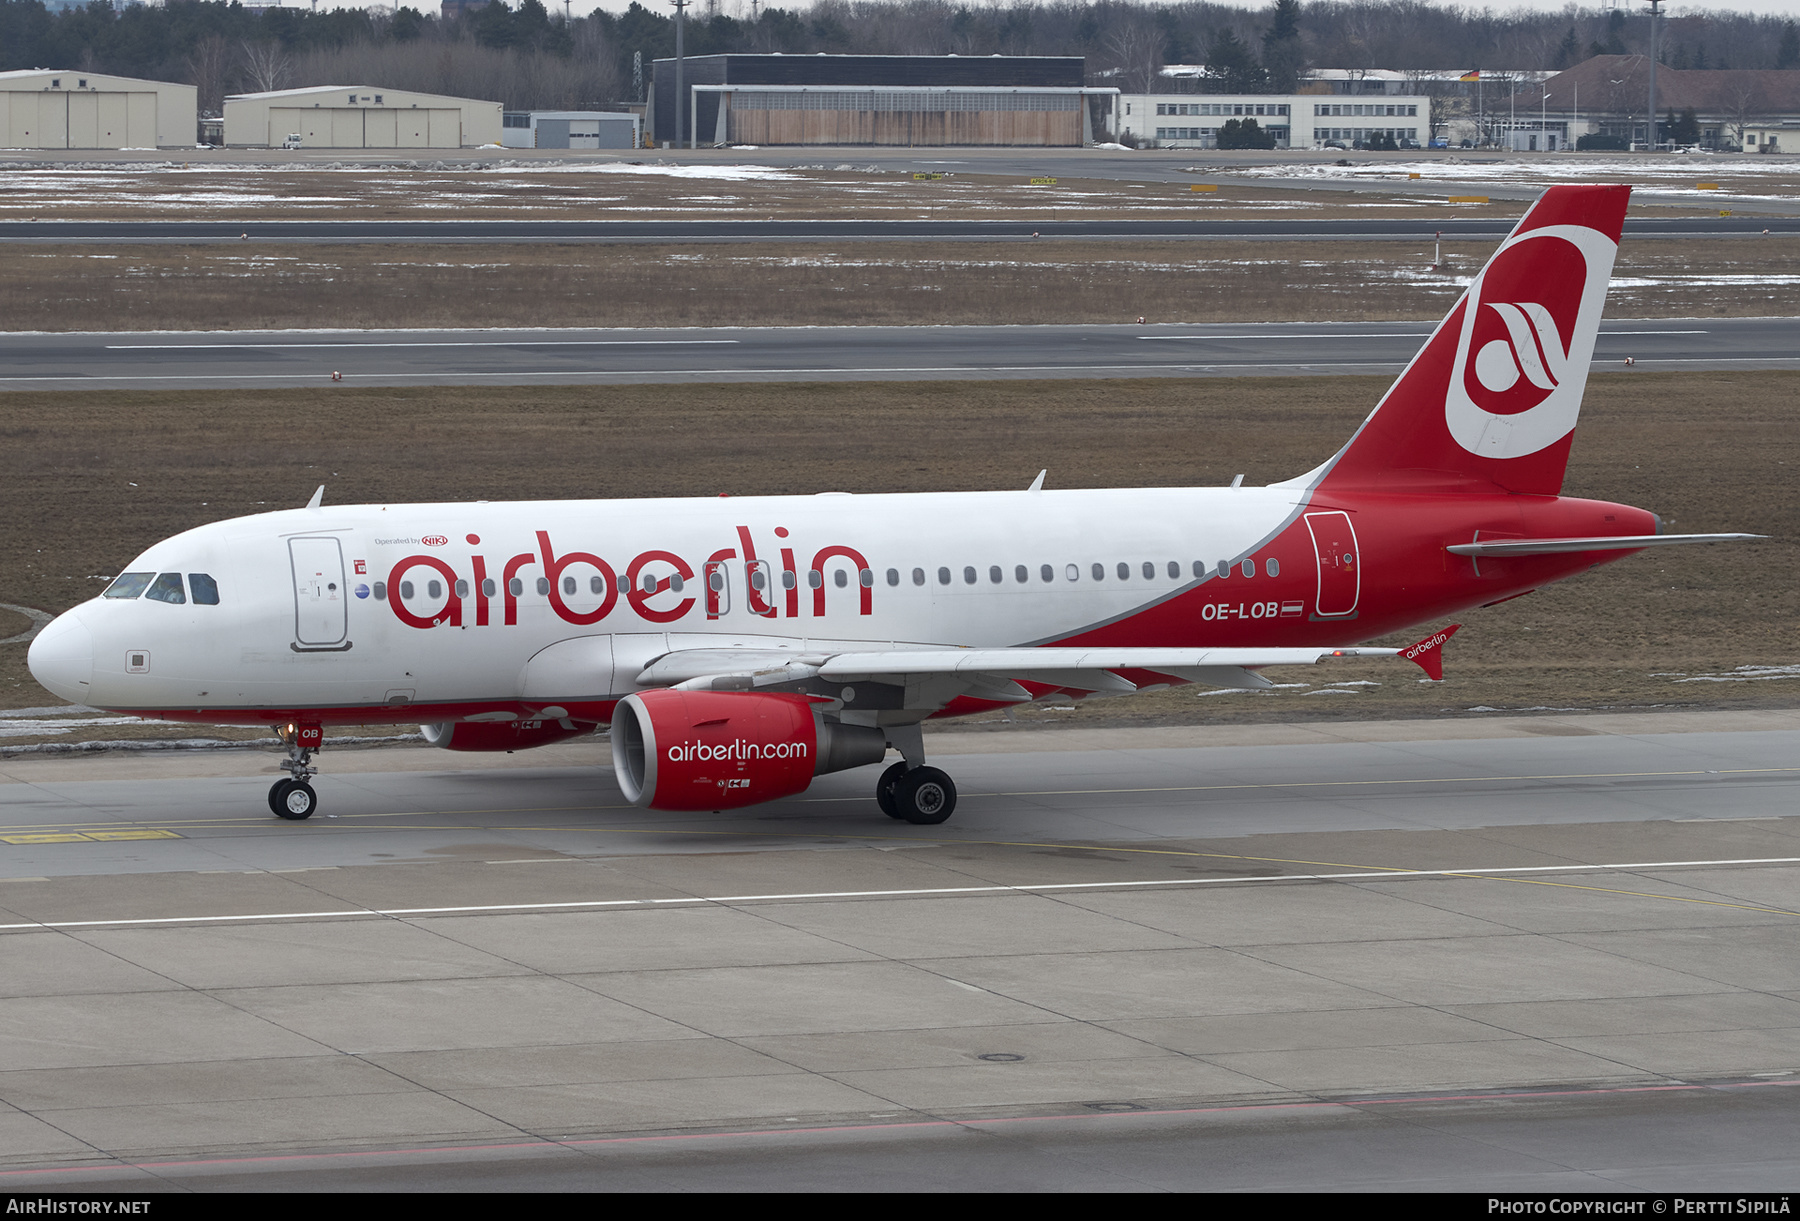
x,y
1746,674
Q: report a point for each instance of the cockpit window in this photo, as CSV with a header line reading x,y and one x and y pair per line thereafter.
x,y
206,590
167,588
129,585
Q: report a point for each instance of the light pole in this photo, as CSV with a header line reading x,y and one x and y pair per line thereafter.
x,y
680,86
1613,101
1655,9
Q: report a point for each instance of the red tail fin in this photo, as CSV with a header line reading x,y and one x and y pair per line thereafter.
x,y
1492,397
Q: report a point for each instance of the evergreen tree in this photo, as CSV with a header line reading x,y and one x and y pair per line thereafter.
x,y
1176,48
1245,133
1787,55
407,24
1230,68
1569,53
1282,57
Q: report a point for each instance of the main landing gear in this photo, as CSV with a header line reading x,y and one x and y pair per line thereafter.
x,y
909,790
293,798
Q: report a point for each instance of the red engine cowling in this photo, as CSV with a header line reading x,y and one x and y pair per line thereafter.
x,y
501,735
717,750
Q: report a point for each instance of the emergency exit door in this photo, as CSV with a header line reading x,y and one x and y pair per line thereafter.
x,y
320,617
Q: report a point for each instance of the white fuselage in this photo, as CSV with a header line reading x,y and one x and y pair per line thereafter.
x,y
360,607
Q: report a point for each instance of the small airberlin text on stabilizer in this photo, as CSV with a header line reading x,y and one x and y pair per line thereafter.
x,y
1429,652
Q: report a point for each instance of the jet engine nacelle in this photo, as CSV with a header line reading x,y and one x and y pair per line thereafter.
x,y
717,750
500,735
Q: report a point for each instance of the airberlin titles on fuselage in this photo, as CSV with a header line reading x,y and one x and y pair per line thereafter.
x,y
564,577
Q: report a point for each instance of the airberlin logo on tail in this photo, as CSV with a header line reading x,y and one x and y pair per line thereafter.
x,y
1526,336
1533,349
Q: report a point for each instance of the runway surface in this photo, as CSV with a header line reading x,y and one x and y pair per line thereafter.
x,y
1098,227
1520,955
225,359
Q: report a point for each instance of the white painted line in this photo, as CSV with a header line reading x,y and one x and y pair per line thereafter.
x,y
1698,360
1041,888
1271,363
1326,335
459,343
1374,335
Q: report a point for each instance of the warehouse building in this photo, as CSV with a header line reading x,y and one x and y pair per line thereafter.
x,y
359,116
570,129
896,100
41,109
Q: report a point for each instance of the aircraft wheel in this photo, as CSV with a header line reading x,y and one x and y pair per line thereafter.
x,y
925,796
277,791
884,789
297,802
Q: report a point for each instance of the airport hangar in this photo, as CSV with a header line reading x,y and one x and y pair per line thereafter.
x,y
359,116
892,100
47,109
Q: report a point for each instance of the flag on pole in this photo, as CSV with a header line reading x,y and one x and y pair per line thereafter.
x,y
1473,74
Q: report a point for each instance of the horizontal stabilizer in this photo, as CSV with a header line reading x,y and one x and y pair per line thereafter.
x,y
1621,542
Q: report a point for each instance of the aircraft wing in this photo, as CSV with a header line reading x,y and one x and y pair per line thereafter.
x,y
1082,669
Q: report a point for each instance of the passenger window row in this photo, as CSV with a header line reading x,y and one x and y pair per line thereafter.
x,y
165,587
1123,571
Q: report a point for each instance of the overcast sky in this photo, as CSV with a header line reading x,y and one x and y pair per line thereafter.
x,y
741,8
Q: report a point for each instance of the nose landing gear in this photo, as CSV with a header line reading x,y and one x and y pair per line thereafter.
x,y
293,798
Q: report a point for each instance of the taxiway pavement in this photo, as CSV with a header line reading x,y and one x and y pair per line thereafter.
x,y
245,359
1532,954
187,232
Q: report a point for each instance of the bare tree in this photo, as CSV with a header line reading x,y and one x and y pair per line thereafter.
x,y
208,65
267,66
1623,94
1135,50
1444,100
1746,102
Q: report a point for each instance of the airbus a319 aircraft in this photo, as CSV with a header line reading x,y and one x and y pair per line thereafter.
x,y
738,647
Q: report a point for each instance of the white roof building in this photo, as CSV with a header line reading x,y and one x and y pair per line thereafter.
x,y
1193,120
